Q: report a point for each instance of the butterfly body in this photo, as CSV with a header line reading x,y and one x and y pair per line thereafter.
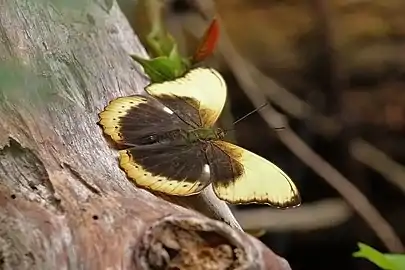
x,y
182,136
174,148
204,134
177,136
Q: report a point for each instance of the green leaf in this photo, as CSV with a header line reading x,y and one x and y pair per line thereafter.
x,y
158,69
166,66
160,44
384,261
165,45
397,259
166,62
179,64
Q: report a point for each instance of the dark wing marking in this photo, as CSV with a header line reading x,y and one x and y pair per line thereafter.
x,y
139,120
223,168
171,169
183,107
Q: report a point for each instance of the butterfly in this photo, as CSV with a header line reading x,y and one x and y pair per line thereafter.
x,y
172,146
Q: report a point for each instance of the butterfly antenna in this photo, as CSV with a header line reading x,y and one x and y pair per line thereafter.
x,y
252,112
245,116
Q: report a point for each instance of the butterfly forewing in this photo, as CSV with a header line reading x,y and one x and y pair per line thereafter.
x,y
202,90
255,179
137,120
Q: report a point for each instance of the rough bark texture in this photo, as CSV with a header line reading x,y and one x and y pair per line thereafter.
x,y
64,203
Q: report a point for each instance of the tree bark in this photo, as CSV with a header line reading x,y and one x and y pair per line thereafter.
x,y
64,202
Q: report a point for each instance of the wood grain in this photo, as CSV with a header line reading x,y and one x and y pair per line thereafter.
x,y
64,203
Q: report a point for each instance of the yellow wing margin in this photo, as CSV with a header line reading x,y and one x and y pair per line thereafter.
x,y
117,109
157,183
261,181
204,86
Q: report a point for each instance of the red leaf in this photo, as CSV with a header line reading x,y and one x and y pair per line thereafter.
x,y
208,42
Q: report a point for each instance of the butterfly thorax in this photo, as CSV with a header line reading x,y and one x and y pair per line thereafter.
x,y
204,134
181,136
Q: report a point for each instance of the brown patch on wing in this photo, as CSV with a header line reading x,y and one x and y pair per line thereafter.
x,y
185,107
224,169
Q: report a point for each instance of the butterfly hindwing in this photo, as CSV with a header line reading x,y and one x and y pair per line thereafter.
x,y
135,120
248,178
201,89
172,169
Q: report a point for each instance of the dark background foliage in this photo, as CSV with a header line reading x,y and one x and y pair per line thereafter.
x,y
346,59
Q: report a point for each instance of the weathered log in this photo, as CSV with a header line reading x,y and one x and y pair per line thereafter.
x,y
64,202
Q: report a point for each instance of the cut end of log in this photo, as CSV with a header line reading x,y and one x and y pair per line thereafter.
x,y
191,243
